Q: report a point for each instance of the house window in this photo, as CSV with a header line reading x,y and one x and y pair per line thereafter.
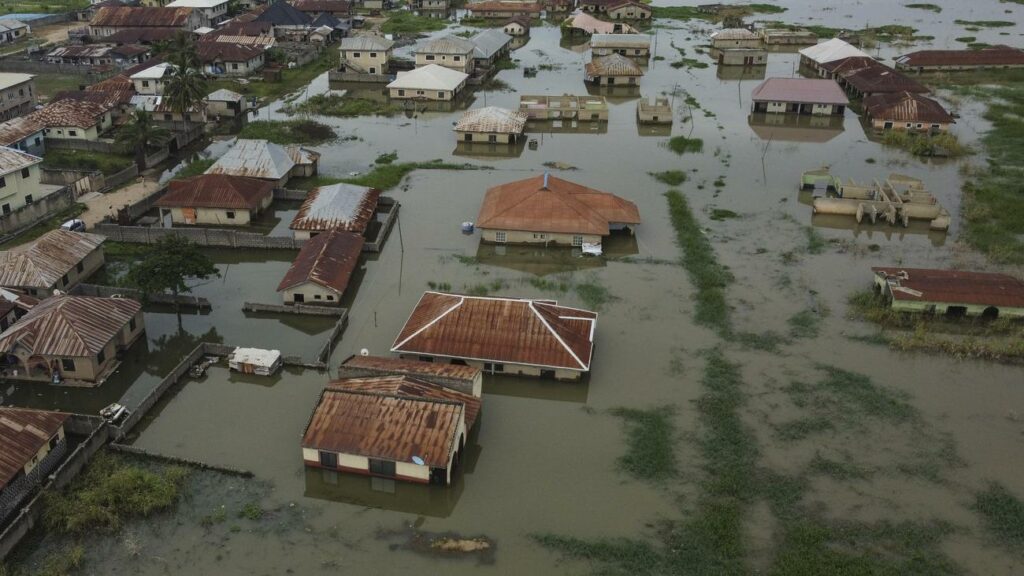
x,y
131,325
430,57
28,199
26,172
80,267
167,117
317,297
440,94
145,83
72,132
6,207
64,280
401,92
501,237
492,138
67,364
234,65
372,54
330,296
328,459
355,54
230,215
299,297
37,141
101,357
54,441
382,468
577,240
3,182
495,367
457,58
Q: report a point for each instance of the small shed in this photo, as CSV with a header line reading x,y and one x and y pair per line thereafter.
x,y
613,70
226,104
254,361
491,124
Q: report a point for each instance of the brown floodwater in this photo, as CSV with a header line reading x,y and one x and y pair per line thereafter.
x,y
544,458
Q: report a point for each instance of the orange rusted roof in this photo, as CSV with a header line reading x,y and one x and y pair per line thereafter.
x,y
549,204
503,330
385,365
953,286
327,259
906,107
43,262
74,326
612,65
18,128
72,113
386,424
141,16
337,207
217,191
405,385
22,433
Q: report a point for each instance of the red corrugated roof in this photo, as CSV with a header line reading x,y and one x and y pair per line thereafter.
x,y
954,286
991,56
22,433
72,326
410,386
385,365
217,191
327,259
800,90
906,107
142,16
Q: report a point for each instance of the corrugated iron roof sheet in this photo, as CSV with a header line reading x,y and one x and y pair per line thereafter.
x,y
369,42
12,160
385,426
505,330
560,206
991,56
871,76
492,120
445,45
43,262
620,41
498,6
589,24
224,95
17,129
141,35
70,326
23,433
830,50
906,107
109,98
79,52
327,259
412,387
953,286
11,79
384,365
141,17
281,13
217,191
227,51
734,34
254,158
613,65
337,207
801,90
429,77
73,113
489,42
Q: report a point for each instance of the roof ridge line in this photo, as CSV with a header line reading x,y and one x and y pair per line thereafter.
x,y
431,323
555,334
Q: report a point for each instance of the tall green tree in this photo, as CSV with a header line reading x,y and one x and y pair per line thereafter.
x,y
141,134
187,85
168,264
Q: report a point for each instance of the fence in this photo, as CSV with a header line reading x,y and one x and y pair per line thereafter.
x,y
392,214
100,146
325,351
154,395
121,178
300,309
79,181
31,214
169,299
178,460
18,63
287,194
211,237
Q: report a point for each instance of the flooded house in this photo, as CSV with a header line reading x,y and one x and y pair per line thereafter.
x,y
628,10
56,260
906,111
72,119
565,107
991,57
490,46
785,36
397,427
584,23
499,335
71,338
742,57
735,38
341,206
230,59
818,97
224,103
465,379
369,54
658,111
20,176
12,30
322,270
517,26
548,210
492,125
613,70
32,445
215,200
431,82
503,9
862,77
448,51
814,57
954,293
633,45
24,133
266,161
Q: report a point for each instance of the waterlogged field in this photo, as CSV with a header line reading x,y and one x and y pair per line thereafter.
x,y
742,416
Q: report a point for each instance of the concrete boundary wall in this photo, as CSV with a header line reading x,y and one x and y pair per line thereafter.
x,y
126,449
84,289
300,309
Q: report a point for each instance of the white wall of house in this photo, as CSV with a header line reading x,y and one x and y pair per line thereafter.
x,y
502,368
21,187
311,293
210,216
460,62
372,61
405,93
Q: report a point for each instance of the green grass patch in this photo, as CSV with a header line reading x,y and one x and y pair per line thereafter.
x,y
931,7
682,145
838,469
1002,515
720,214
803,428
708,276
670,177
45,6
850,397
292,79
815,241
49,84
387,176
966,39
615,555
405,22
985,23
111,490
486,289
288,131
805,324
766,341
195,168
689,63
737,11
650,442
345,106
251,511
594,296
944,144
83,160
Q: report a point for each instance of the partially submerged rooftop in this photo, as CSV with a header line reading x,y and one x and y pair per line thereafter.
x,y
23,433
337,207
43,262
953,286
801,90
492,119
72,326
327,259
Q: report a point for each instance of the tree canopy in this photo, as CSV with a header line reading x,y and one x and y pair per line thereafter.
x,y
168,264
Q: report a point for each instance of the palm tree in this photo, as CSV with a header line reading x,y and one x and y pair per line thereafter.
x,y
141,134
187,84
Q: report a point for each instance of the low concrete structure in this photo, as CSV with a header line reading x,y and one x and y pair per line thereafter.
x,y
565,107
492,125
897,200
785,36
742,57
799,96
953,293
633,45
657,112
993,57
735,38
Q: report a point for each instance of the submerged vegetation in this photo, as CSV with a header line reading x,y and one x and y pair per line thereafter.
x,y
1002,514
406,22
944,144
682,144
650,443
670,177
288,131
344,106
82,160
384,175
728,12
921,6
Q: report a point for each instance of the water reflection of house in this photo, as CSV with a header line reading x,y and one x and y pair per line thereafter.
x,y
321,272
55,261
795,128
799,96
735,38
500,335
868,232
569,126
485,150
339,206
71,338
216,199
741,72
951,292
396,427
389,494
32,445
616,94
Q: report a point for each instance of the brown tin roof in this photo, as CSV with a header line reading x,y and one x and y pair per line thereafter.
x,y
800,90
874,77
506,330
992,56
227,51
327,259
72,113
114,84
337,207
217,191
141,16
22,433
141,35
406,385
331,6
385,365
387,421
75,326
108,98
613,65
18,128
953,286
906,107
43,262
546,203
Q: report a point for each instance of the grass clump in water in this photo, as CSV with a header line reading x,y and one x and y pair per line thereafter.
x,y
288,131
1002,514
838,469
670,177
345,107
944,144
932,7
548,285
805,324
683,145
109,492
595,296
387,176
966,39
618,555
815,241
720,214
985,23
850,396
650,437
441,286
405,22
251,511
803,428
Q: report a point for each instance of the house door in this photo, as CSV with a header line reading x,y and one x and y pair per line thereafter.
x,y
189,215
611,81
373,70
299,297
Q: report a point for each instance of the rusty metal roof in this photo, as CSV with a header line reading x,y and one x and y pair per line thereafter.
x,y
12,160
22,433
43,262
953,286
109,98
217,191
620,41
734,34
492,120
385,365
385,426
337,207
613,65
71,113
141,17
499,6
114,83
870,76
141,35
410,386
79,52
446,45
327,259
254,158
367,42
227,51
546,203
506,330
802,90
992,56
906,107
71,326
